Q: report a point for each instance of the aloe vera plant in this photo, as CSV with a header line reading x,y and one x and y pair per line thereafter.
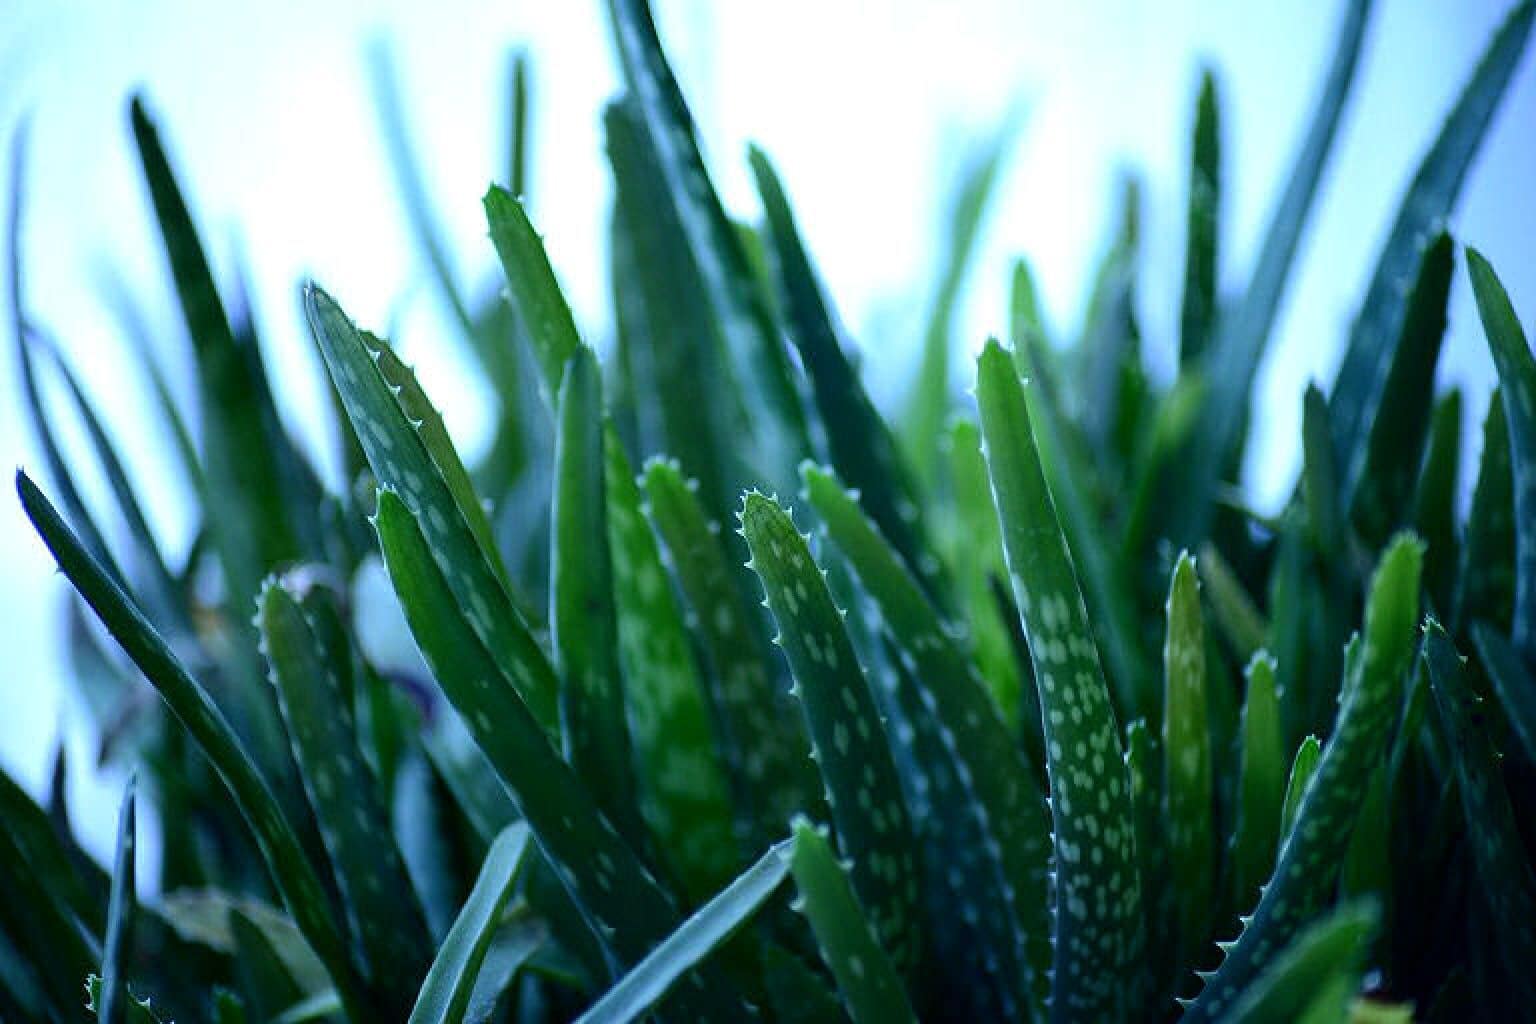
x,y
1005,709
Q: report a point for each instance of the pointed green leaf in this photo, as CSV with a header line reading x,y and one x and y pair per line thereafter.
x,y
383,913
1435,499
859,442
1358,388
694,940
1261,784
517,136
764,739
1202,236
1379,475
1517,382
1098,917
536,293
1009,813
1503,871
403,457
112,1005
291,871
847,734
134,1011
1236,615
583,628
1303,767
684,795
1485,574
1188,794
866,976
1160,920
1370,702
449,983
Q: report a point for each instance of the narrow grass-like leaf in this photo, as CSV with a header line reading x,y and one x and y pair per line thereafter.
x,y
847,734
583,628
383,914
932,390
684,795
1512,681
765,742
291,871
1188,796
1379,475
1358,388
1098,922
696,938
871,988
518,133
1319,472
1504,875
976,553
1202,235
1303,767
250,500
112,1006
449,983
729,292
1485,572
1517,382
859,442
1434,502
1316,977
1307,869
536,294
1261,784
1160,919
623,903
1014,834
402,458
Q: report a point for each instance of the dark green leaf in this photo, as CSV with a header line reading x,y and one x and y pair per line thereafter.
x,y
1485,575
1189,798
1202,237
1261,784
1316,977
112,1006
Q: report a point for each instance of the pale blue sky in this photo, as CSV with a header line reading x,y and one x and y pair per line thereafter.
x,y
866,108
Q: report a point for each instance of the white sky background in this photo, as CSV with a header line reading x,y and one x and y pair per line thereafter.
x,y
867,109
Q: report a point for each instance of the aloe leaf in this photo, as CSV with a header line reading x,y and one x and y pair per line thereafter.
x,y
291,871
673,341
112,1006
1512,681
316,1007
1202,236
728,292
1357,390
583,630
133,1010
859,442
1485,572
847,734
684,794
383,914
449,983
1303,767
1009,814
1261,783
1317,975
1188,788
622,902
1517,381
694,940
1315,845
408,458
246,454
536,293
1319,473
1066,473
1379,475
866,975
932,393
764,741
1434,502
976,552
1160,921
228,1008
1504,875
1098,924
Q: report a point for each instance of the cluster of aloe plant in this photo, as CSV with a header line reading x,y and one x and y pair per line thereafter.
x,y
1039,721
